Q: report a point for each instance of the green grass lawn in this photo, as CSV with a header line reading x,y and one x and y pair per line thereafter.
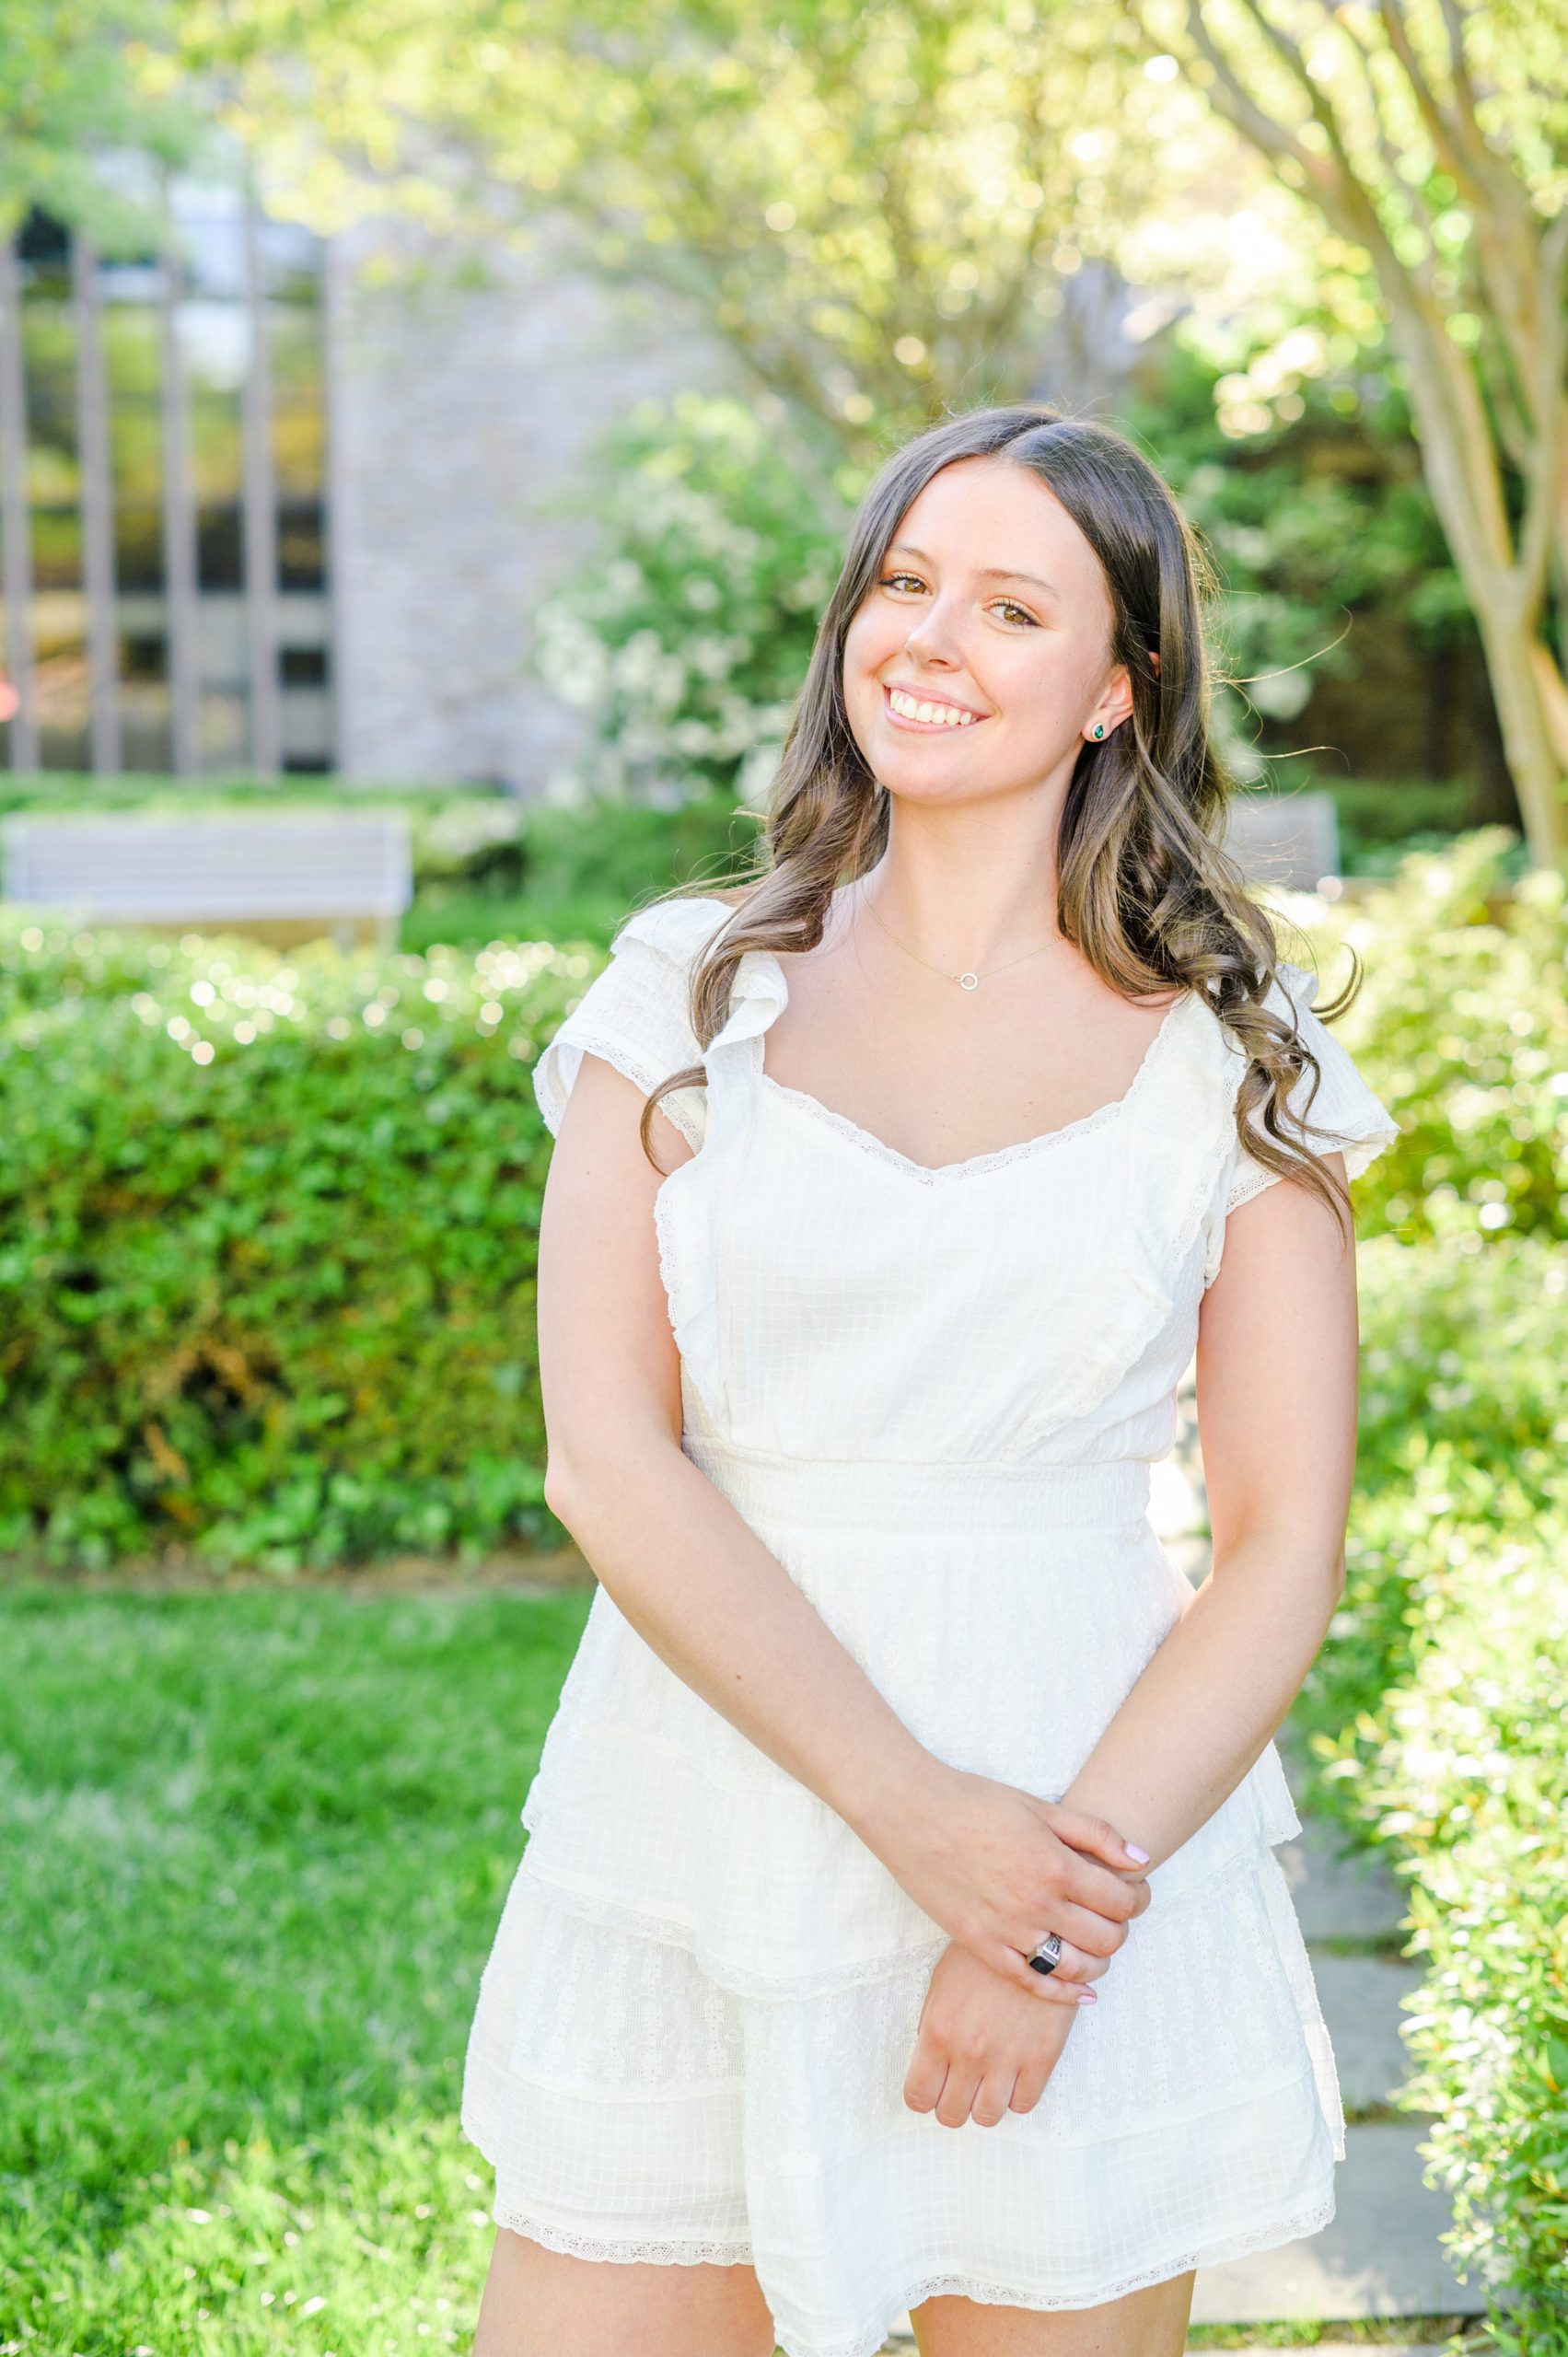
x,y
254,1847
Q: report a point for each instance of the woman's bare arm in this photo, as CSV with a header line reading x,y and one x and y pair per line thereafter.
x,y
702,1591
1276,1413
680,1563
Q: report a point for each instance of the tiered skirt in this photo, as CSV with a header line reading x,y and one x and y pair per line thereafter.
x,y
694,2026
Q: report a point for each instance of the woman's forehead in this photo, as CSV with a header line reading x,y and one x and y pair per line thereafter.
x,y
987,516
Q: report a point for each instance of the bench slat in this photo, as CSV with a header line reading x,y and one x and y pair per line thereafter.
x,y
209,868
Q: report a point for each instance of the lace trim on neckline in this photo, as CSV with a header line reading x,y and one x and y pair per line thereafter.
x,y
999,1157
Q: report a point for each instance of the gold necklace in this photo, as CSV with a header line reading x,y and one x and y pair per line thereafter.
x,y
969,979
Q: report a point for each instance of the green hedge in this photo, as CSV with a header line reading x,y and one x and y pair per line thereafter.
x,y
1462,1026
1468,1768
267,1231
1435,1728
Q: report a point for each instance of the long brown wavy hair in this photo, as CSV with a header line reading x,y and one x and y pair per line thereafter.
x,y
1146,892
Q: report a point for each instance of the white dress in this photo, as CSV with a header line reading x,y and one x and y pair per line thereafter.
x,y
936,1396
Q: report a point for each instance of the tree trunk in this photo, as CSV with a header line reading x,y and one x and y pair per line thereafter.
x,y
1461,473
1516,278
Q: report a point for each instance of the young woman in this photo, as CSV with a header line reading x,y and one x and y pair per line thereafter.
x,y
900,1925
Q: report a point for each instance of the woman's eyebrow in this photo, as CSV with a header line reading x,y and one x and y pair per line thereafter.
x,y
987,572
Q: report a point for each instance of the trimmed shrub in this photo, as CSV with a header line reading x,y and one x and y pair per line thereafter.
x,y
267,1245
1471,1776
1434,1724
1461,1025
1461,1765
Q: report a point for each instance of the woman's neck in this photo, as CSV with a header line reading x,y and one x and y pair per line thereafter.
x,y
962,894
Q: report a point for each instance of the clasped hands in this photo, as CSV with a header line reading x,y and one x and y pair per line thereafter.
x,y
998,1869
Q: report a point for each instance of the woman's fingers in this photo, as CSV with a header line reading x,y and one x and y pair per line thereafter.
x,y
1072,1963
1029,2089
961,2093
1057,1988
1093,1834
992,2098
1109,1901
1094,1934
987,2098
922,2081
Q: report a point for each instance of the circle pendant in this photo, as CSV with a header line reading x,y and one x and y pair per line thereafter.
x,y
969,981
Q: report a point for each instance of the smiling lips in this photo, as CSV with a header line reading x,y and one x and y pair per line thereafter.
x,y
927,713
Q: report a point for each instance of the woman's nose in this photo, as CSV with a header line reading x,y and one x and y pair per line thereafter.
x,y
931,641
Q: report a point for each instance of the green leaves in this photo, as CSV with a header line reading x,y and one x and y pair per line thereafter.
x,y
255,1303
689,646
1461,1027
1435,1722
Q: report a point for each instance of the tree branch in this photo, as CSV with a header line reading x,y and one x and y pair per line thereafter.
x,y
1535,538
1243,110
1456,138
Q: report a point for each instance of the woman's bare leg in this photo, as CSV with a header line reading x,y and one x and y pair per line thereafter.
x,y
541,2303
1151,2323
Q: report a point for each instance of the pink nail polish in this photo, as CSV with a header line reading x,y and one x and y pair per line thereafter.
x,y
1087,1997
1133,1851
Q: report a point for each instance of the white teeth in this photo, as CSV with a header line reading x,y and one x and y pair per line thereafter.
x,y
946,714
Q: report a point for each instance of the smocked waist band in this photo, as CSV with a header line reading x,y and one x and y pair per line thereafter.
x,y
886,1493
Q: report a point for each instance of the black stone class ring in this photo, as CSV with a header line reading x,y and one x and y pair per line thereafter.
x,y
1048,1956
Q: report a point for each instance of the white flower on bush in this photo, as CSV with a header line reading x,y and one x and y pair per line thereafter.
x,y
811,591
757,772
705,517
1282,694
637,665
571,657
623,576
713,657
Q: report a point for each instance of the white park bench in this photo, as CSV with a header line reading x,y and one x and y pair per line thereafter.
x,y
286,875
1289,840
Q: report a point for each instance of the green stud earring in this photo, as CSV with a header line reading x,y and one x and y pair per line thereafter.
x,y
1100,728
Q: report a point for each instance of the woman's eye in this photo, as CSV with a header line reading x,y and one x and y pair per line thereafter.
x,y
1004,605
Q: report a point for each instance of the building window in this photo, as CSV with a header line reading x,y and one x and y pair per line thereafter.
x,y
163,535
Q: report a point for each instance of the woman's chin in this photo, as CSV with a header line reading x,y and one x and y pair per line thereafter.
x,y
946,782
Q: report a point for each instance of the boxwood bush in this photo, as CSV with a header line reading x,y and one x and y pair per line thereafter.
x,y
267,1231
1435,1728
1462,1025
1466,1768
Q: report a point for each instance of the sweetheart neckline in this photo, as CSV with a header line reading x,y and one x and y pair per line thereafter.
x,y
995,1158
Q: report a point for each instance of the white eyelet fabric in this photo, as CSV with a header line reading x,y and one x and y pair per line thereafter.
x,y
936,1396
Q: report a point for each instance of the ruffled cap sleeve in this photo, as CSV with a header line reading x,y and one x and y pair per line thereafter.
x,y
635,1014
1344,1116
